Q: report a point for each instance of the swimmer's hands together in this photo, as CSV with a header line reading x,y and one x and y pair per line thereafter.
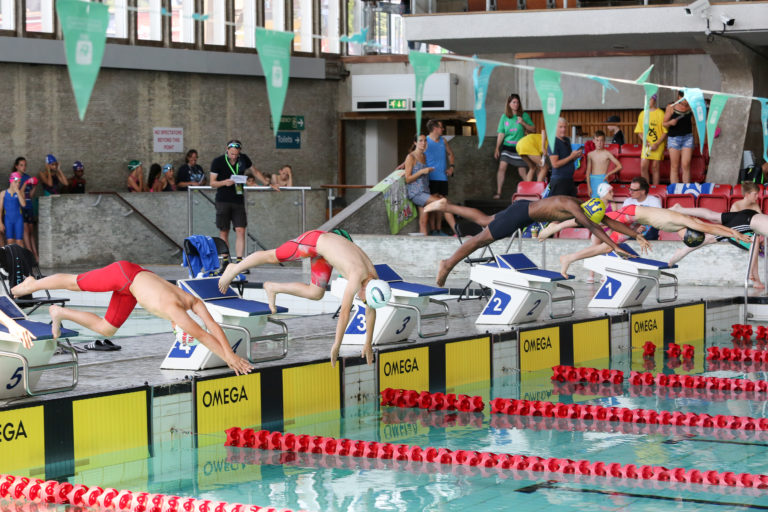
x,y
742,237
621,253
239,365
22,334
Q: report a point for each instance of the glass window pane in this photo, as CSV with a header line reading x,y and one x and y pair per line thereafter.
x,y
355,22
302,25
274,14
215,26
7,12
245,23
118,19
182,23
148,25
39,16
329,26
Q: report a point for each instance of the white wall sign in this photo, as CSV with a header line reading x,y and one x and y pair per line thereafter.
x,y
168,140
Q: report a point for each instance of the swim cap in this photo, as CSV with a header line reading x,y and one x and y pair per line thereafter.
x,y
594,209
603,189
77,166
133,164
377,293
693,238
341,232
15,176
167,167
32,181
50,159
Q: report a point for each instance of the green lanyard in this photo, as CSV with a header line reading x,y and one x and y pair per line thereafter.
x,y
236,170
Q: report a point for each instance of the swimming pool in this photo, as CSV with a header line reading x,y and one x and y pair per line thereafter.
x,y
201,466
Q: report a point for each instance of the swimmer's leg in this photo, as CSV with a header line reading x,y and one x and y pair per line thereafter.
x,y
471,245
84,318
588,252
702,213
52,282
759,224
252,260
472,214
684,251
556,227
306,291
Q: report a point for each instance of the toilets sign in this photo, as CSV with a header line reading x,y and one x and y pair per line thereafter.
x,y
288,140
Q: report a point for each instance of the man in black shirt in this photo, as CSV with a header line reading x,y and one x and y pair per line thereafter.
x,y
613,128
228,177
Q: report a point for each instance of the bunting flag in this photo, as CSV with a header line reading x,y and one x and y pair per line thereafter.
x,y
480,77
695,99
547,83
424,64
605,83
274,49
650,90
716,106
84,26
360,37
644,77
764,124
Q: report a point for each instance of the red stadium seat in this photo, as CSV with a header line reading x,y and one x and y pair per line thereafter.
x,y
698,169
685,200
580,174
631,150
581,189
531,187
577,233
737,190
716,203
721,190
664,235
615,149
526,197
733,199
664,170
630,168
659,191
764,204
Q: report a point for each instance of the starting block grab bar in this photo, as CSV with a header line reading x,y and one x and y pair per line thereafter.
x,y
656,280
571,297
26,369
280,337
426,316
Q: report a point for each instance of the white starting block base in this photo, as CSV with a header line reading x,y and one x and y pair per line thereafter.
x,y
403,313
21,368
243,322
521,290
629,281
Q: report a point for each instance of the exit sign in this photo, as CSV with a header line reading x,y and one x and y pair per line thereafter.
x,y
397,104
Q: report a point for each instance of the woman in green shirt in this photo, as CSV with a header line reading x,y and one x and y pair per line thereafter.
x,y
513,126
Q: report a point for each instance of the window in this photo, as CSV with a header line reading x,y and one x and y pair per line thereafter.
x,y
355,23
39,16
182,23
148,24
7,13
302,25
215,24
274,14
329,26
245,23
118,19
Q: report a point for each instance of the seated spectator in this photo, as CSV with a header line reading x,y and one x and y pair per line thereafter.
x,y
52,179
154,180
135,181
190,174
168,178
638,195
250,179
77,181
284,178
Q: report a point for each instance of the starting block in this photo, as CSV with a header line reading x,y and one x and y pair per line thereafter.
x,y
242,320
629,281
520,288
21,368
396,320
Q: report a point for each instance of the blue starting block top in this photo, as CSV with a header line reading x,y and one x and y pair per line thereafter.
x,y
644,261
388,274
10,308
208,291
207,288
40,330
521,263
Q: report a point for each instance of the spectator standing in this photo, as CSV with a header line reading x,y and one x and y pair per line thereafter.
x,y
154,179
638,195
417,183
12,201
230,203
614,130
28,212
678,122
598,161
440,158
190,174
532,149
135,180
168,178
52,178
513,125
284,177
563,163
655,139
77,181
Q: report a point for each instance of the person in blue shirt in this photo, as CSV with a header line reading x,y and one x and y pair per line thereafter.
x,y
563,161
440,157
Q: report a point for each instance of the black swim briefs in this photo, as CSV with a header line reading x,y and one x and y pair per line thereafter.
x,y
509,220
738,220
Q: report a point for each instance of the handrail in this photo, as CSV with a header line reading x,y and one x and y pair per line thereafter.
x,y
331,197
141,216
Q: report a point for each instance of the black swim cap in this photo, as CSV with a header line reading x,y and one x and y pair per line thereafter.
x,y
693,238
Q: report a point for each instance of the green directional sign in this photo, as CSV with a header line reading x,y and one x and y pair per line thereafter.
x,y
397,104
289,123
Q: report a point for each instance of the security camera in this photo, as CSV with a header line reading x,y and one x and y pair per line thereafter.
x,y
727,20
699,7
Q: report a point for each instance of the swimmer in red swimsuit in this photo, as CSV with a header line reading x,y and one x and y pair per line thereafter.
x,y
325,250
131,284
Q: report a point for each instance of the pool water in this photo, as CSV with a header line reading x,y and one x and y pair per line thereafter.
x,y
201,466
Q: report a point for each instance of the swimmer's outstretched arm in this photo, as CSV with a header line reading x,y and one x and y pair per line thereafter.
x,y
620,227
17,331
578,214
353,286
715,229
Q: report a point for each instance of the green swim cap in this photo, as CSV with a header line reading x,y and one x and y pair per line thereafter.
x,y
133,164
342,232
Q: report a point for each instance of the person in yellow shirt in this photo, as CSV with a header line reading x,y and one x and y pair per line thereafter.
x,y
655,141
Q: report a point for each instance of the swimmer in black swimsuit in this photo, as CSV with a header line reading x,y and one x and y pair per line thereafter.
x,y
519,215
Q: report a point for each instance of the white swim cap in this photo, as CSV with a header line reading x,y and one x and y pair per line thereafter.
x,y
377,293
603,189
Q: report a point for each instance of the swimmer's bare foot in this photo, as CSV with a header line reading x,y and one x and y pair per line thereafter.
x,y
271,294
565,262
442,272
548,231
25,288
226,277
436,206
55,312
676,207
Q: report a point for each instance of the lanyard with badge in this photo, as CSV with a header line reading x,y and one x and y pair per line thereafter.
x,y
235,171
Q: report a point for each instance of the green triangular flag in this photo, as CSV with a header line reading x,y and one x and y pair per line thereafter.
x,y
716,106
480,77
274,49
424,64
84,25
547,83
644,77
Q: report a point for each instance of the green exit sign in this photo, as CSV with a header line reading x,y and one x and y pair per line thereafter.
x,y
397,104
